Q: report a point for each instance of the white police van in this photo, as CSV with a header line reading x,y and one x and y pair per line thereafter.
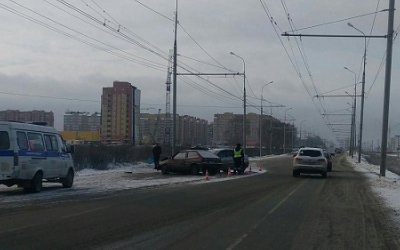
x,y
32,153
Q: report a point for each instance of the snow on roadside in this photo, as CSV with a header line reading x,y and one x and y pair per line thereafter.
x,y
117,177
387,187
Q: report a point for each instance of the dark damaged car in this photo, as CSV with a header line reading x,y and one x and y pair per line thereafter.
x,y
191,161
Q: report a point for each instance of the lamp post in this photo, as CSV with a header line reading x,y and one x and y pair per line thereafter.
x,y
244,101
362,92
353,119
261,113
284,131
301,123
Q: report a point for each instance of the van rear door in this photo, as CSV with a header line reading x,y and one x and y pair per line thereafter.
x,y
6,153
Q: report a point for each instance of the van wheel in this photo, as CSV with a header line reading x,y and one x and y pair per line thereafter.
x,y
36,183
68,181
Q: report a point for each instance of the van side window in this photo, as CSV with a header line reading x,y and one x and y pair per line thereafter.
x,y
51,143
22,141
4,140
63,147
35,141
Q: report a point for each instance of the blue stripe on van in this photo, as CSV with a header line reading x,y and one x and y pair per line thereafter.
x,y
6,153
39,153
32,153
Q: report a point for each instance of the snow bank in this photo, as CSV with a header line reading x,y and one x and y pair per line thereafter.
x,y
387,187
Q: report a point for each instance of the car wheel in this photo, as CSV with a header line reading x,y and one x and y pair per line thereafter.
x,y
164,169
36,183
324,175
68,181
296,173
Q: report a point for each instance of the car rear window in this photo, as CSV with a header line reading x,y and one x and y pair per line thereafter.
x,y
311,153
4,140
207,154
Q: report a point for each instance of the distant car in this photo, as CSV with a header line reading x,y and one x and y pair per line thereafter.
x,y
310,161
191,161
226,156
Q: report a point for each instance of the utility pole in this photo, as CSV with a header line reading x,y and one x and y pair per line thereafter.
x,y
353,120
284,131
174,85
388,74
244,101
261,115
362,93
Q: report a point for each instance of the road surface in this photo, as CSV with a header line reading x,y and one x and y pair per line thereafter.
x,y
268,211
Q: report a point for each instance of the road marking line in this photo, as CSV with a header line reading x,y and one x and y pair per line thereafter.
x,y
61,217
238,241
284,199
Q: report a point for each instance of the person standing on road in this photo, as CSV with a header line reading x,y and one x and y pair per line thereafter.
x,y
238,157
156,155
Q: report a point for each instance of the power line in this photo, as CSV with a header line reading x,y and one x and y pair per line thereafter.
x,y
27,17
341,20
49,97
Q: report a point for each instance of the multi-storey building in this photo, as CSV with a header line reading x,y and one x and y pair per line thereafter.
x,y
81,121
120,110
228,129
28,116
81,127
191,131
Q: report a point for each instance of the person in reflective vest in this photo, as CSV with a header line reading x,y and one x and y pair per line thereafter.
x,y
238,157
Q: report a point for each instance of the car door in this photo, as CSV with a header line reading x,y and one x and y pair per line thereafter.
x,y
54,160
192,158
6,153
178,162
226,158
37,154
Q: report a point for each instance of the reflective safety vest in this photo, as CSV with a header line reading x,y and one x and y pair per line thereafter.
x,y
237,153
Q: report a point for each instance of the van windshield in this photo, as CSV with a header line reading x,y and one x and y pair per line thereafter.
x,y
4,140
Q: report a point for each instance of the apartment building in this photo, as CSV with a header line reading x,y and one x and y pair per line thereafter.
x,y
228,129
81,121
28,116
191,130
120,112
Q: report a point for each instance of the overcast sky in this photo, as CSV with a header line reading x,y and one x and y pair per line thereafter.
x,y
62,53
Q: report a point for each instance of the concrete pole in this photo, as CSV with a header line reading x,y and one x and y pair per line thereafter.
x,y
261,115
388,74
244,101
174,84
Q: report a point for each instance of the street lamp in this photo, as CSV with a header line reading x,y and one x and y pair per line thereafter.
x,y
261,113
284,131
244,101
362,92
300,131
353,120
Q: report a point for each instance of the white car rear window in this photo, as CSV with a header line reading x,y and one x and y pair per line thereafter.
x,y
311,153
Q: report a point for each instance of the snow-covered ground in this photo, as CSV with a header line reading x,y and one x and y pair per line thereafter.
x,y
387,187
142,175
118,177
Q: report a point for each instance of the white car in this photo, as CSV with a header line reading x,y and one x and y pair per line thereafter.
x,y
310,161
